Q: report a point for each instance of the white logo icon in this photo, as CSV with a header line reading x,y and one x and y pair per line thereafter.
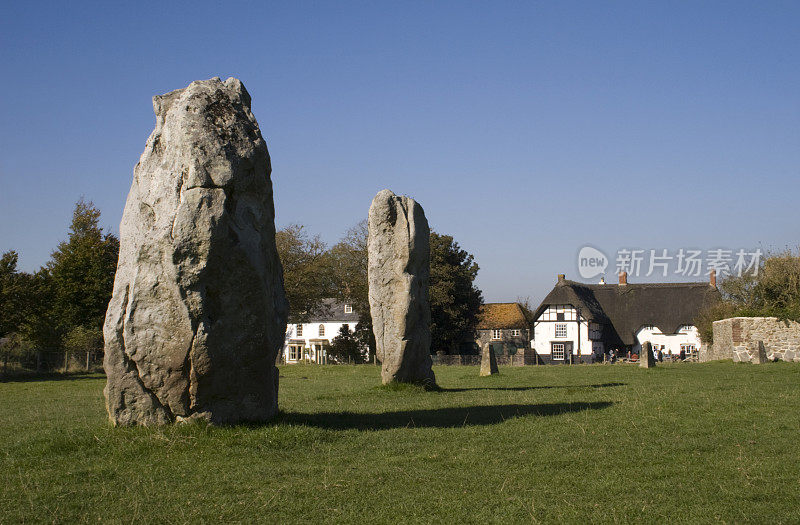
x,y
591,262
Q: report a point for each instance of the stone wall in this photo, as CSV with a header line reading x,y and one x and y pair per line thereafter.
x,y
732,336
520,359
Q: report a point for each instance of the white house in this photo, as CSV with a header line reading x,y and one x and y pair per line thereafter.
x,y
308,342
580,322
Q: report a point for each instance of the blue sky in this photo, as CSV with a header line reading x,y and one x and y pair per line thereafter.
x,y
526,130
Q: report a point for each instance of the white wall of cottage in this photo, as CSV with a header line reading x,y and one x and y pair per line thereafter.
x,y
544,331
668,343
311,352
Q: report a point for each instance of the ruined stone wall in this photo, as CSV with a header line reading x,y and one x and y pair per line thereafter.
x,y
731,337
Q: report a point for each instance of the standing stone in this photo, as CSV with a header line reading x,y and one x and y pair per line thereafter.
x,y
488,361
646,359
198,312
757,351
399,269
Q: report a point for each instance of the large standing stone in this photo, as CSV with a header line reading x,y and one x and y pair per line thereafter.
x,y
198,311
488,361
399,269
646,359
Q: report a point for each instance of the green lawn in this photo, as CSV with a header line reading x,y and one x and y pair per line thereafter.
x,y
691,443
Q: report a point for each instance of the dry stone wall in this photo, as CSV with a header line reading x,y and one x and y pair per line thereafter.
x,y
737,337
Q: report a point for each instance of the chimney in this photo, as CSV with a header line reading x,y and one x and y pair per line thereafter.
x,y
623,278
561,278
712,278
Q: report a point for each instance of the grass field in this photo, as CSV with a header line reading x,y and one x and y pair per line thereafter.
x,y
691,443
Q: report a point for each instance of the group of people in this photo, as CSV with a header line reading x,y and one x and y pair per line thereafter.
x,y
658,354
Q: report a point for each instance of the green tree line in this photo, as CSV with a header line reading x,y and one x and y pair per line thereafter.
x,y
61,307
313,271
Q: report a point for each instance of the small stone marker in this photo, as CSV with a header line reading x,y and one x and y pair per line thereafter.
x,y
754,352
646,359
398,272
488,361
198,312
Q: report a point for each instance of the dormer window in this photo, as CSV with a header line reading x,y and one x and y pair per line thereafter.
x,y
348,309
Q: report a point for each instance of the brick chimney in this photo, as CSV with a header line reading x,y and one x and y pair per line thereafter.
x,y
712,278
623,278
561,278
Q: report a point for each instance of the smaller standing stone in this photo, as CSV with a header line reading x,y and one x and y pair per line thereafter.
x,y
398,249
646,359
758,354
488,361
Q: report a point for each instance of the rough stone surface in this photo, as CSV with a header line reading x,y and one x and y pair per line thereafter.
x,y
488,361
646,359
781,339
198,312
753,352
399,269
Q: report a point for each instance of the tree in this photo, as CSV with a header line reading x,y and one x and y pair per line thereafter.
x,y
345,347
773,292
306,270
15,346
455,300
348,260
82,341
12,294
82,271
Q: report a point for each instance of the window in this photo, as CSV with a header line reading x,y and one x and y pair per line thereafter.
x,y
322,330
561,330
299,330
515,332
346,327
688,348
558,351
497,333
559,317
348,309
295,352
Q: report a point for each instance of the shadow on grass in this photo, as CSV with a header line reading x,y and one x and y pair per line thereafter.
x,y
524,388
435,418
29,377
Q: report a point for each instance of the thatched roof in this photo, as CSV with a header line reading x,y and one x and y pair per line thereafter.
x,y
626,308
501,316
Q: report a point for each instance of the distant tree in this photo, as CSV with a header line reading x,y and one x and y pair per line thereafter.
x,y
345,347
455,300
13,296
81,341
16,347
349,259
40,325
528,309
306,271
82,271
